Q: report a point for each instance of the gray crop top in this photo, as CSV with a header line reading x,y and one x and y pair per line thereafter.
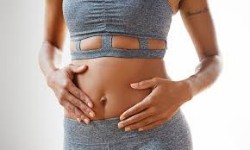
x,y
137,18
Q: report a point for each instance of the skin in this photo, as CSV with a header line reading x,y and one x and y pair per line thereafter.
x,y
153,98
60,79
197,19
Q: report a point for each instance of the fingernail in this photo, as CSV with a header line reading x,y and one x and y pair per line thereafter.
x,y
78,119
122,117
91,114
127,129
120,125
90,105
133,84
86,120
140,129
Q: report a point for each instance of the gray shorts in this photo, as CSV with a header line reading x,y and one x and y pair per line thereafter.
x,y
105,135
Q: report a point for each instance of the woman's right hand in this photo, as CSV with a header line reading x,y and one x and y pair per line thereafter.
x,y
73,99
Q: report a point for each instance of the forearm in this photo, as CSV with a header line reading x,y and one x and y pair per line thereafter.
x,y
49,56
206,74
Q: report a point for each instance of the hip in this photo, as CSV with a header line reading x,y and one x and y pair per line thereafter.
x,y
104,134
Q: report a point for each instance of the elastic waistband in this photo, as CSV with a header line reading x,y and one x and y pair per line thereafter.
x,y
106,130
106,124
103,124
109,124
108,51
139,53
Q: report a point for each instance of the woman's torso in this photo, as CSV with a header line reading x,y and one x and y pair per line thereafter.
x,y
107,79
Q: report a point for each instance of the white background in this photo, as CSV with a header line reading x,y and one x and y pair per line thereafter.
x,y
31,118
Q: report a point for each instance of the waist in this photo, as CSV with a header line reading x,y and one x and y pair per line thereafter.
x,y
107,82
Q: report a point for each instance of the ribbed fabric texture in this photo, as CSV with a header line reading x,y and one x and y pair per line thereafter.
x,y
137,18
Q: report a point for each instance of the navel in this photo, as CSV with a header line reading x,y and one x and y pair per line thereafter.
x,y
103,100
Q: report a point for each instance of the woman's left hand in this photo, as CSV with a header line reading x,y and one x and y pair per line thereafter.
x,y
158,107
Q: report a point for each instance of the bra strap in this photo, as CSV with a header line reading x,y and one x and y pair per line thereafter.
x,y
143,42
106,41
78,44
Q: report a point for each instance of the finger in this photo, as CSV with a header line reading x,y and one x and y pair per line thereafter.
x,y
136,118
82,118
79,94
77,69
141,123
85,119
145,84
161,119
145,103
79,104
151,125
72,109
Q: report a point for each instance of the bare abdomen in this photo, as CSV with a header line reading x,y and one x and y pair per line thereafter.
x,y
107,82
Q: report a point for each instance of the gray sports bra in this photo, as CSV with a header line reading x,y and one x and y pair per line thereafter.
x,y
137,18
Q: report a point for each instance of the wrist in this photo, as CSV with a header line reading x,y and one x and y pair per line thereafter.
x,y
48,74
187,88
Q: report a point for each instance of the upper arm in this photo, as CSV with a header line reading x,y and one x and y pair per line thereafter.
x,y
199,24
54,24
174,4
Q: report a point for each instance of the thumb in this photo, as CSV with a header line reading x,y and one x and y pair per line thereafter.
x,y
144,84
78,69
